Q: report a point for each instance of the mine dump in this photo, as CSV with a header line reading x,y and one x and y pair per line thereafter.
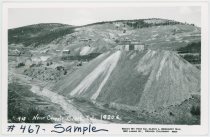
x,y
144,71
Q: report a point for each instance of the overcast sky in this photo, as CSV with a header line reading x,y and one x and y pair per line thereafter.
x,y
80,16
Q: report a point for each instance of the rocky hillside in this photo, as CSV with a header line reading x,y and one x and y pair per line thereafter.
x,y
104,36
110,34
124,66
153,32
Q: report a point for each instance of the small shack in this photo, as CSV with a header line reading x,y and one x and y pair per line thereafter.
x,y
63,51
123,44
85,40
28,62
36,60
135,45
128,45
139,47
66,51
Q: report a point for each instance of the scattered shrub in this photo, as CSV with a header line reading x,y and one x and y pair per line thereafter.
x,y
65,72
60,68
20,64
106,105
117,41
80,64
32,65
195,110
171,114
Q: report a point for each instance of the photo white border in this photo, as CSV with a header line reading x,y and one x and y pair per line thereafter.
x,y
115,129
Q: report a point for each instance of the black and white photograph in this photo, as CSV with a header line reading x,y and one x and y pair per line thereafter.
x,y
126,65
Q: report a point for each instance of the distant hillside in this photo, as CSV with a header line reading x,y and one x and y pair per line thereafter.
x,y
38,34
103,36
140,23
